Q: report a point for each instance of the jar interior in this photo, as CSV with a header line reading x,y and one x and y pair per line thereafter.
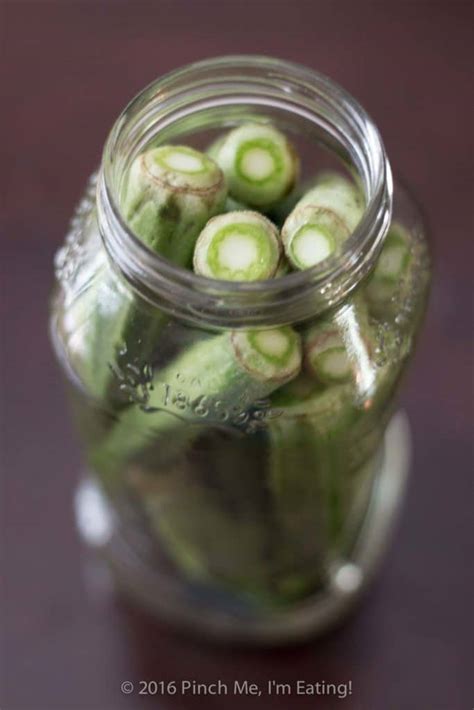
x,y
195,105
243,471
318,149
320,144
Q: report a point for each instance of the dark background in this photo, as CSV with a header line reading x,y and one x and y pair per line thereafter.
x,y
68,68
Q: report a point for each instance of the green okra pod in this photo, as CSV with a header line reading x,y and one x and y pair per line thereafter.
x,y
318,411
231,371
305,483
209,521
170,193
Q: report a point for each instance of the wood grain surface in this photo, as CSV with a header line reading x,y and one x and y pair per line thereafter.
x,y
67,70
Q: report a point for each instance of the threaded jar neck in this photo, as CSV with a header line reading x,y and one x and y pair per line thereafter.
x,y
220,93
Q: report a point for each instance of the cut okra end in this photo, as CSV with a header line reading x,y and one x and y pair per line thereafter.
x,y
311,235
269,355
260,164
392,266
238,246
179,166
326,356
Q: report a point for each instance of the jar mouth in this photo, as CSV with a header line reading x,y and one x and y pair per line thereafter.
x,y
198,95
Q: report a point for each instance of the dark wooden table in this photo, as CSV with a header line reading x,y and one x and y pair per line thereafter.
x,y
67,69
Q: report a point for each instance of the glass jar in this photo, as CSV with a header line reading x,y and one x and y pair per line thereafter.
x,y
244,508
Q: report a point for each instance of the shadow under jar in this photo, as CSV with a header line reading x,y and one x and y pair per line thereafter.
x,y
245,507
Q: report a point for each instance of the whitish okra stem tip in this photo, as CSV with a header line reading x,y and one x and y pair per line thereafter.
x,y
178,166
269,355
326,356
312,234
238,246
259,162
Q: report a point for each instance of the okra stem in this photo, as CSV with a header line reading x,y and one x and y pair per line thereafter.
x,y
260,164
326,357
391,271
321,221
311,235
339,349
238,246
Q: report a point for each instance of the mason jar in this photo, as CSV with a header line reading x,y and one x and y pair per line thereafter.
x,y
224,497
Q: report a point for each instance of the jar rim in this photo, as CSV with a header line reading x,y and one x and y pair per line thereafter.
x,y
277,301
